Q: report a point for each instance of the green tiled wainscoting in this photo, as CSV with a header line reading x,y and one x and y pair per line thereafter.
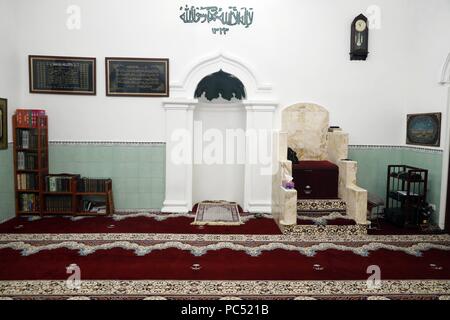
x,y
373,162
6,184
137,170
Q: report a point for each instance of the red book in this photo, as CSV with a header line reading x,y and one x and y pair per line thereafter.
x,y
27,118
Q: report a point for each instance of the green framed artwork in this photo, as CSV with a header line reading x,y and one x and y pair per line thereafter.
x,y
3,124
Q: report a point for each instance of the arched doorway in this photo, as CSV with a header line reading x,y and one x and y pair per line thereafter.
x,y
180,114
219,139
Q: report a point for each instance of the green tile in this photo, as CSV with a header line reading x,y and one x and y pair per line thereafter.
x,y
126,154
145,170
158,170
145,201
145,154
157,184
157,200
129,201
158,155
125,169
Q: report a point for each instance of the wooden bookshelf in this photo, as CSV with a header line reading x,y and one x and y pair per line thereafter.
x,y
30,154
59,194
39,193
86,191
64,195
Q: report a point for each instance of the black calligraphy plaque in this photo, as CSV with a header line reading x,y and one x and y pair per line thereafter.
x,y
137,77
62,75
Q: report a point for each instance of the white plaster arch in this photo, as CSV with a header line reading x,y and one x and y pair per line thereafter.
x,y
255,89
445,81
260,106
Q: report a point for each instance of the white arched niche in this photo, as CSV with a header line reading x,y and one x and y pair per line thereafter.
x,y
219,174
259,107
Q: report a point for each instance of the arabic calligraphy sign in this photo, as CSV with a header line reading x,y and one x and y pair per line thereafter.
x,y
231,16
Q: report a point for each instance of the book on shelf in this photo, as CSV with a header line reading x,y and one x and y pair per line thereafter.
x,y
93,184
28,118
28,202
26,161
58,203
27,139
60,183
27,181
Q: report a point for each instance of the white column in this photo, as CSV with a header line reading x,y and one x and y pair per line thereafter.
x,y
445,162
258,167
179,156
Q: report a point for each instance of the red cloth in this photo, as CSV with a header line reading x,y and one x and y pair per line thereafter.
x,y
321,176
316,165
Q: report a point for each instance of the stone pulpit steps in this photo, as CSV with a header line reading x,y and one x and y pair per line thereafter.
x,y
323,212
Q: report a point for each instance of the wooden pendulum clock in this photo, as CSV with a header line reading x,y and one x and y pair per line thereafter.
x,y
359,41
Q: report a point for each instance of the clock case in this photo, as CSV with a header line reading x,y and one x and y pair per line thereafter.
x,y
359,52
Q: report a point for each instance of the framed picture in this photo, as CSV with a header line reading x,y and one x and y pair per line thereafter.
x,y
62,75
137,77
3,124
424,129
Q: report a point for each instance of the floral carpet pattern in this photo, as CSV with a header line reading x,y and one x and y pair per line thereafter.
x,y
174,289
305,242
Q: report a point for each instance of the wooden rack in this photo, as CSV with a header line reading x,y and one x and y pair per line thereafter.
x,y
406,191
33,167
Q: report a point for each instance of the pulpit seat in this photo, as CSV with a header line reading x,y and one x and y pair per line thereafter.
x,y
316,179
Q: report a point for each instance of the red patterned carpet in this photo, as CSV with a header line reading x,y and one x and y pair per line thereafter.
x,y
120,264
138,224
142,257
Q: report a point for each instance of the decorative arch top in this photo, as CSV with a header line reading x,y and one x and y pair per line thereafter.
x,y
220,84
255,90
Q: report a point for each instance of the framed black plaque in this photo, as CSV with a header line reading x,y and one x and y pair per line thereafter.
x,y
62,75
424,129
3,124
137,77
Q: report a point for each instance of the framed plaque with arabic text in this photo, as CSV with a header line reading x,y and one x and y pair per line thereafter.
x,y
137,77
62,75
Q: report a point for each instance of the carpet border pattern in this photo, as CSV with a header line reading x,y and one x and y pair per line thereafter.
x,y
223,288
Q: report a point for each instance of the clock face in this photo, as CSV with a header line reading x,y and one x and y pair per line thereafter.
x,y
360,25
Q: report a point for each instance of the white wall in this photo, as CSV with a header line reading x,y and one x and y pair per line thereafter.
x,y
213,178
9,58
430,28
299,46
